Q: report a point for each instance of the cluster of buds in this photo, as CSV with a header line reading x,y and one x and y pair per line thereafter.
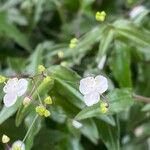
x,y
73,43
48,100
103,107
41,69
100,16
41,109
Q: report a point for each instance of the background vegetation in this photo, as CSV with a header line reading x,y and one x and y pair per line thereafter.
x,y
34,32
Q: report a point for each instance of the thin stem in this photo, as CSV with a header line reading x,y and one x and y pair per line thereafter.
x,y
140,98
29,129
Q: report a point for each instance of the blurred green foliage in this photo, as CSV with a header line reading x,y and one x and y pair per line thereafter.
x,y
33,32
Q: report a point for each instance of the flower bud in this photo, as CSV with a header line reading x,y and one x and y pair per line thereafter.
x,y
26,101
5,139
103,107
103,104
47,79
64,63
48,100
73,43
40,110
47,113
41,68
100,16
2,79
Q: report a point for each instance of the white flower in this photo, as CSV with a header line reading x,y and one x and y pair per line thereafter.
x,y
76,124
13,89
19,145
92,88
136,11
102,62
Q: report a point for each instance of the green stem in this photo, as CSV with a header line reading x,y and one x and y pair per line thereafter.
x,y
29,129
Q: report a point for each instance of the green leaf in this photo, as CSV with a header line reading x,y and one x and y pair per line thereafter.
x,y
105,42
8,112
16,64
109,135
35,59
146,107
132,32
11,31
90,130
67,84
120,66
108,119
119,100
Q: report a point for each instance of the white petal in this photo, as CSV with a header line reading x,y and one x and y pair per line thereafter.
x,y
76,124
10,99
101,84
86,85
22,87
92,98
19,144
11,85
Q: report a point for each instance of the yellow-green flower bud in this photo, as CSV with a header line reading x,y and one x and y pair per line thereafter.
x,y
64,63
40,110
73,43
103,107
100,16
5,139
41,68
47,113
103,104
2,79
48,100
26,101
47,79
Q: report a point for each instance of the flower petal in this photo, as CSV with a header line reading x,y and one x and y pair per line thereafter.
x,y
10,85
101,84
19,144
86,85
22,87
10,99
92,98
